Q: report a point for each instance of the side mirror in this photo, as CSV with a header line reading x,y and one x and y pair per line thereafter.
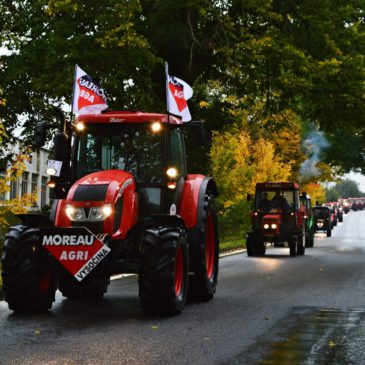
x,y
249,197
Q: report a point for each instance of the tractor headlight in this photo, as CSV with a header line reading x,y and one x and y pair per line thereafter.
x,y
80,127
273,226
75,214
171,172
266,226
100,213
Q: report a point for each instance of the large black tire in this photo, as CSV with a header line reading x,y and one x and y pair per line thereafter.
x,y
308,239
312,239
341,219
293,246
163,277
335,222
93,287
301,246
329,232
249,245
259,247
205,256
28,280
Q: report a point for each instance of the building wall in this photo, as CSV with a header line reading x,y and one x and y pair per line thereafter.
x,y
34,178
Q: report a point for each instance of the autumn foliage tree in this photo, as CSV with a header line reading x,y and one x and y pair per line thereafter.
x,y
238,162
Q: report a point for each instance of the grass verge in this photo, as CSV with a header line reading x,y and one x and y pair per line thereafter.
x,y
231,244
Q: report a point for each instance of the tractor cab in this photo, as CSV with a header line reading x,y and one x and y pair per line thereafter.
x,y
276,218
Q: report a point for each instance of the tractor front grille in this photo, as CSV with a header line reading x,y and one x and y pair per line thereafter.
x,y
93,227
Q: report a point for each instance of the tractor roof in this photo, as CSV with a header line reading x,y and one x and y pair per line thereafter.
x,y
128,117
277,186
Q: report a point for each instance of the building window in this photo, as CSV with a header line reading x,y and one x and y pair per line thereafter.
x,y
25,178
13,189
34,183
44,191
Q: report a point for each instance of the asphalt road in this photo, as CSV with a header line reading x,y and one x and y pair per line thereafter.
x,y
271,310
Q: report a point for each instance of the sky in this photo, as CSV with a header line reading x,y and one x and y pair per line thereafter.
x,y
358,178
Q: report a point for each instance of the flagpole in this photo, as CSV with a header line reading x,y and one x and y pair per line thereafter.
x,y
167,92
73,98
168,117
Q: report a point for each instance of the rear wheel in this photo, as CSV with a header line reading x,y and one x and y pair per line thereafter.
x,y
28,280
301,246
307,239
329,232
312,239
203,283
293,246
163,278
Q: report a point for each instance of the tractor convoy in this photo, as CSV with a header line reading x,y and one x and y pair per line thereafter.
x,y
282,216
124,201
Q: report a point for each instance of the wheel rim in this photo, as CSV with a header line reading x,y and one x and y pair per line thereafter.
x,y
179,271
209,247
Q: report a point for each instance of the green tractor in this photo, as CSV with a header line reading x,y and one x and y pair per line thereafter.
x,y
306,207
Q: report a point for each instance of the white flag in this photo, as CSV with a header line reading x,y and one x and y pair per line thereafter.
x,y
89,97
178,92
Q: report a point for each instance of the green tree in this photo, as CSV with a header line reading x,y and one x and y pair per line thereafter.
x,y
347,188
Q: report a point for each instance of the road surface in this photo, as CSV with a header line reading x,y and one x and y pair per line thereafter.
x,y
271,310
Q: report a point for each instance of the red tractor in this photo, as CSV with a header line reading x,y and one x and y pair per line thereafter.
x,y
122,184
277,218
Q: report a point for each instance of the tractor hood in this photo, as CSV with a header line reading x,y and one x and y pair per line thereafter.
x,y
103,186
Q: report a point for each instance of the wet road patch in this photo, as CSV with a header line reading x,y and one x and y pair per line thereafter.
x,y
311,336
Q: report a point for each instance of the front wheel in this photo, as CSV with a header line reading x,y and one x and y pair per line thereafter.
x,y
205,256
163,277
293,246
329,232
249,245
28,281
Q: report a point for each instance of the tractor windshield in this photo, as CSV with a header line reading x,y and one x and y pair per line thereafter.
x,y
321,212
276,201
133,148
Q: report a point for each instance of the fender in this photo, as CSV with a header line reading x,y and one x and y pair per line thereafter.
x,y
35,220
169,220
192,198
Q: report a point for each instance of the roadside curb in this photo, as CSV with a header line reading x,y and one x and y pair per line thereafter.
x,y
231,253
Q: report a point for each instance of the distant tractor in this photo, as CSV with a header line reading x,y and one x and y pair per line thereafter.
x,y
345,205
306,207
276,219
124,185
322,218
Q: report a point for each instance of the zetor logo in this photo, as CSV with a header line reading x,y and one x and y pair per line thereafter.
x,y
78,253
